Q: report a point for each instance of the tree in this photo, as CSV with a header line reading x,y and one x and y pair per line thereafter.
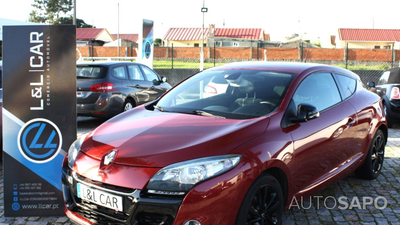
x,y
50,11
157,42
69,20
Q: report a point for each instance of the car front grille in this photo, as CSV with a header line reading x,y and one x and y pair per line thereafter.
x,y
137,209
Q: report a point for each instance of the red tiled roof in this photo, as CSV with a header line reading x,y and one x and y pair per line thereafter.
x,y
185,34
242,33
130,37
192,34
86,34
389,35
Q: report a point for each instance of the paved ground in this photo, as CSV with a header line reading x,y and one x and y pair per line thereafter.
x,y
348,201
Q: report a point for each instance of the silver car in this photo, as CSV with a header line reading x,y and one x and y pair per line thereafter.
x,y
105,89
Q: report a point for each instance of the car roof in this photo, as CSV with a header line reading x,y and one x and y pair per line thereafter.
x,y
104,63
289,67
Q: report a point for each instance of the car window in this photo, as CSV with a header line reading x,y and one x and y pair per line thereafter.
x,y
244,94
384,78
119,72
151,75
319,90
347,85
135,73
90,72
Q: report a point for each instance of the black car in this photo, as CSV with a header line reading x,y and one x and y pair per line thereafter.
x,y
105,89
388,88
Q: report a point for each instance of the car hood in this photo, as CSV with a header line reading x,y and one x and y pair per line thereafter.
x,y
156,139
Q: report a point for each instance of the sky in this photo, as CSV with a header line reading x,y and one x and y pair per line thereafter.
x,y
311,19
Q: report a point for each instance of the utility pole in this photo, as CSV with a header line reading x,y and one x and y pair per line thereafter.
x,y
203,10
74,20
118,32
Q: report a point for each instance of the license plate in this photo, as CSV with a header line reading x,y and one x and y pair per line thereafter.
x,y
79,94
98,197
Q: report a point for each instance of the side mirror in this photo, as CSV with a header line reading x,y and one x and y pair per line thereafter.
x,y
305,112
371,84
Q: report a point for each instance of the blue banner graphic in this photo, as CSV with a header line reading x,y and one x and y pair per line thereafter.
x,y
39,116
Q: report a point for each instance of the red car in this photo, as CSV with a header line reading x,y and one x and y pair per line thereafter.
x,y
281,130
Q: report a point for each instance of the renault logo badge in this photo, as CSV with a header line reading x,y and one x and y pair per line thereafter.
x,y
109,157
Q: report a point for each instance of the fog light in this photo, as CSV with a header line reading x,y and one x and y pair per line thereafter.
x,y
192,222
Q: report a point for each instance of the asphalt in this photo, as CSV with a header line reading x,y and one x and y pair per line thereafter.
x,y
348,201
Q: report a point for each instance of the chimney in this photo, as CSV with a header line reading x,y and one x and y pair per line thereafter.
x,y
212,30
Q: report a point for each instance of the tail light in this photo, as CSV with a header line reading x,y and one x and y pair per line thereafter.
x,y
395,93
103,87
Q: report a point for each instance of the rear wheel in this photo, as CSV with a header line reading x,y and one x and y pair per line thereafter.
x,y
128,105
374,161
263,203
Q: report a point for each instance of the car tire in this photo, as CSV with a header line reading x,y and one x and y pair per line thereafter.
x,y
375,157
263,203
128,105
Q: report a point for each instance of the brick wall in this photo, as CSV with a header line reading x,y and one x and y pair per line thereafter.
x,y
383,55
100,51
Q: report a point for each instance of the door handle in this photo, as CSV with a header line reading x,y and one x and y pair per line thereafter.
x,y
137,86
152,88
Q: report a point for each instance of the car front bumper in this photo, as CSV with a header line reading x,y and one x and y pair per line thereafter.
x,y
215,201
394,109
137,208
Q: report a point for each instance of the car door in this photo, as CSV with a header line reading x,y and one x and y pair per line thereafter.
x,y
156,86
120,79
139,85
322,145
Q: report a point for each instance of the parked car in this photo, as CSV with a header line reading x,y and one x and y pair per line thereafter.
x,y
388,88
281,130
217,85
105,89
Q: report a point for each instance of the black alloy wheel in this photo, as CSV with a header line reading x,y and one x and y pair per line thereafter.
x,y
374,161
377,155
263,204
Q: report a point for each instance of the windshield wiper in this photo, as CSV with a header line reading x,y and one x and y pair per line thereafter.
x,y
203,113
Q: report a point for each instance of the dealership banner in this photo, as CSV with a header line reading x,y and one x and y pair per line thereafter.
x,y
39,116
146,45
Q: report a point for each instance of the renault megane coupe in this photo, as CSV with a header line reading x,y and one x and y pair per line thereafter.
x,y
279,131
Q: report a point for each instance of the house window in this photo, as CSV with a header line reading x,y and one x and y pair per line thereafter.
x,y
387,47
196,45
235,44
218,43
377,47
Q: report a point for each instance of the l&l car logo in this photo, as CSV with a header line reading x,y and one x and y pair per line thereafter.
x,y
39,141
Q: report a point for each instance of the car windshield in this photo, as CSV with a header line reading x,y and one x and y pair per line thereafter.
x,y
238,94
90,72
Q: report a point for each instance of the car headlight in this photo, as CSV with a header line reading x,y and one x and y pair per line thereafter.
x,y
74,150
178,178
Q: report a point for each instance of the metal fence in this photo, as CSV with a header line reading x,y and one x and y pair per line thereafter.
x,y
178,69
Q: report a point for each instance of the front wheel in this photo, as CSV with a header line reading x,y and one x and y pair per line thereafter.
x,y
263,203
374,161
